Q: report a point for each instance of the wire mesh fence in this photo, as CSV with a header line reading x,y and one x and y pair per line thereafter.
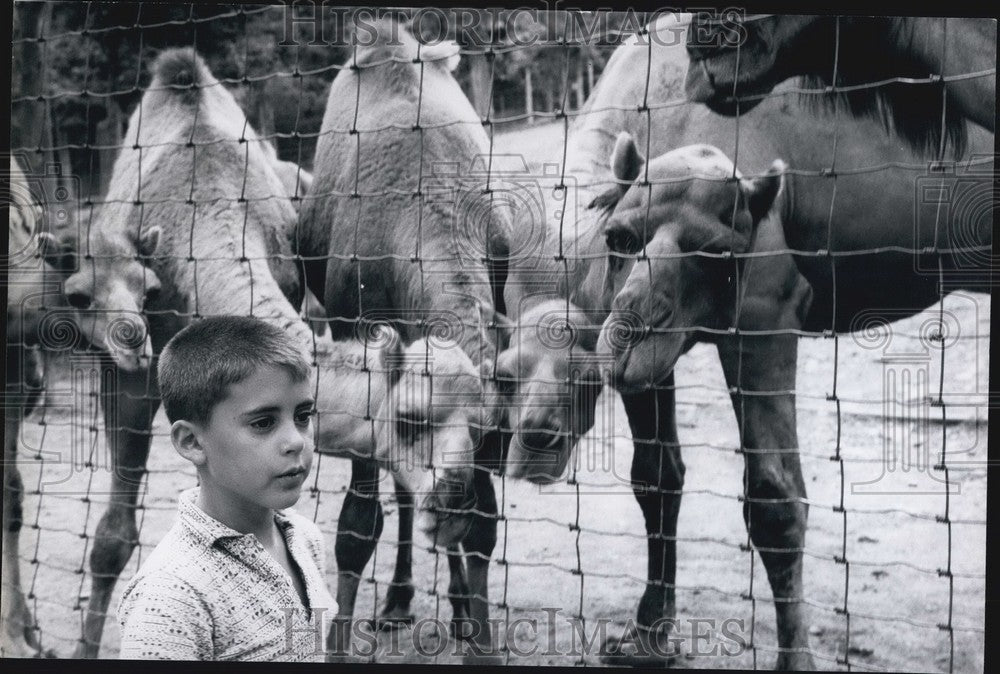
x,y
489,170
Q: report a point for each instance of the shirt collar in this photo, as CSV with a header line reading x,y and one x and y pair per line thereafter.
x,y
207,528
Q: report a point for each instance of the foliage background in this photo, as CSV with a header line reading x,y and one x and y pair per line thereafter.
x,y
80,69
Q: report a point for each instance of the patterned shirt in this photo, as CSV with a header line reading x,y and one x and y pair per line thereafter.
x,y
208,592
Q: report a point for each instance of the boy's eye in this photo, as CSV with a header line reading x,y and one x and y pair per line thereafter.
x,y
303,417
263,423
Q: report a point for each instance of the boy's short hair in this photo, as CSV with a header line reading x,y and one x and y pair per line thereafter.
x,y
201,361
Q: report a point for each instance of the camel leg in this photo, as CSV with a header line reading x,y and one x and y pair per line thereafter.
x,y
358,530
458,594
657,480
18,630
396,612
130,401
777,529
478,547
18,637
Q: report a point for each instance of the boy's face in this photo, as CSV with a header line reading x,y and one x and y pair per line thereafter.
x,y
257,445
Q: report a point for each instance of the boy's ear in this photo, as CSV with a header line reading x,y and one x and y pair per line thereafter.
x,y
185,438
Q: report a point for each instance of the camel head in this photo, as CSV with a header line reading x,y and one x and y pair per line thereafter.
x,y
749,57
35,258
432,420
109,292
550,378
677,234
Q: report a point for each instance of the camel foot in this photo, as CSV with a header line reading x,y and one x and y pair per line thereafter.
x,y
640,648
394,619
24,649
85,651
11,648
461,629
346,659
488,659
795,662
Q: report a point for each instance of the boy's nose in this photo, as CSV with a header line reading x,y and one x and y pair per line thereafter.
x,y
292,440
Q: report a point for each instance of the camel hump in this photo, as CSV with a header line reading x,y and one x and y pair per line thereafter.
x,y
181,71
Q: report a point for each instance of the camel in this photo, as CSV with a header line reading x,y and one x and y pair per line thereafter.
x,y
774,48
549,374
766,299
34,322
193,177
399,228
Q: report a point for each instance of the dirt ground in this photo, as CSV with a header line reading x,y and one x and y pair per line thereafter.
x,y
897,603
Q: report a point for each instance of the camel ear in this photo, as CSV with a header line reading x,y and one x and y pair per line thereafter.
x,y
502,327
626,160
447,53
762,192
305,181
626,164
149,241
59,256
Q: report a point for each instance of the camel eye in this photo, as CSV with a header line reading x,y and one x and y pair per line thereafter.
x,y
506,382
409,428
622,240
152,295
78,300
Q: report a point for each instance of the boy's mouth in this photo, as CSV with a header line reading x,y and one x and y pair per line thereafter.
x,y
294,472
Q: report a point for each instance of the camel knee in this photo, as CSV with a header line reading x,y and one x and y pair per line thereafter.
x,y
458,588
775,510
482,537
13,512
114,542
654,482
358,531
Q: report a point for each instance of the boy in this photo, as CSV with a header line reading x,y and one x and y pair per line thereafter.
x,y
237,577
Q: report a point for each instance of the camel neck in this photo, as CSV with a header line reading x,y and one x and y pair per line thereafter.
x,y
961,49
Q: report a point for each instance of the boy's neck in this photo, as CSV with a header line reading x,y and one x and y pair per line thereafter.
x,y
245,518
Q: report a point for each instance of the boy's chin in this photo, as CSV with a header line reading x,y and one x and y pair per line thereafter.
x,y
285,500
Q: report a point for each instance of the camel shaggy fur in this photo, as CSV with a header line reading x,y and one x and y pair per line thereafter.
x,y
399,226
